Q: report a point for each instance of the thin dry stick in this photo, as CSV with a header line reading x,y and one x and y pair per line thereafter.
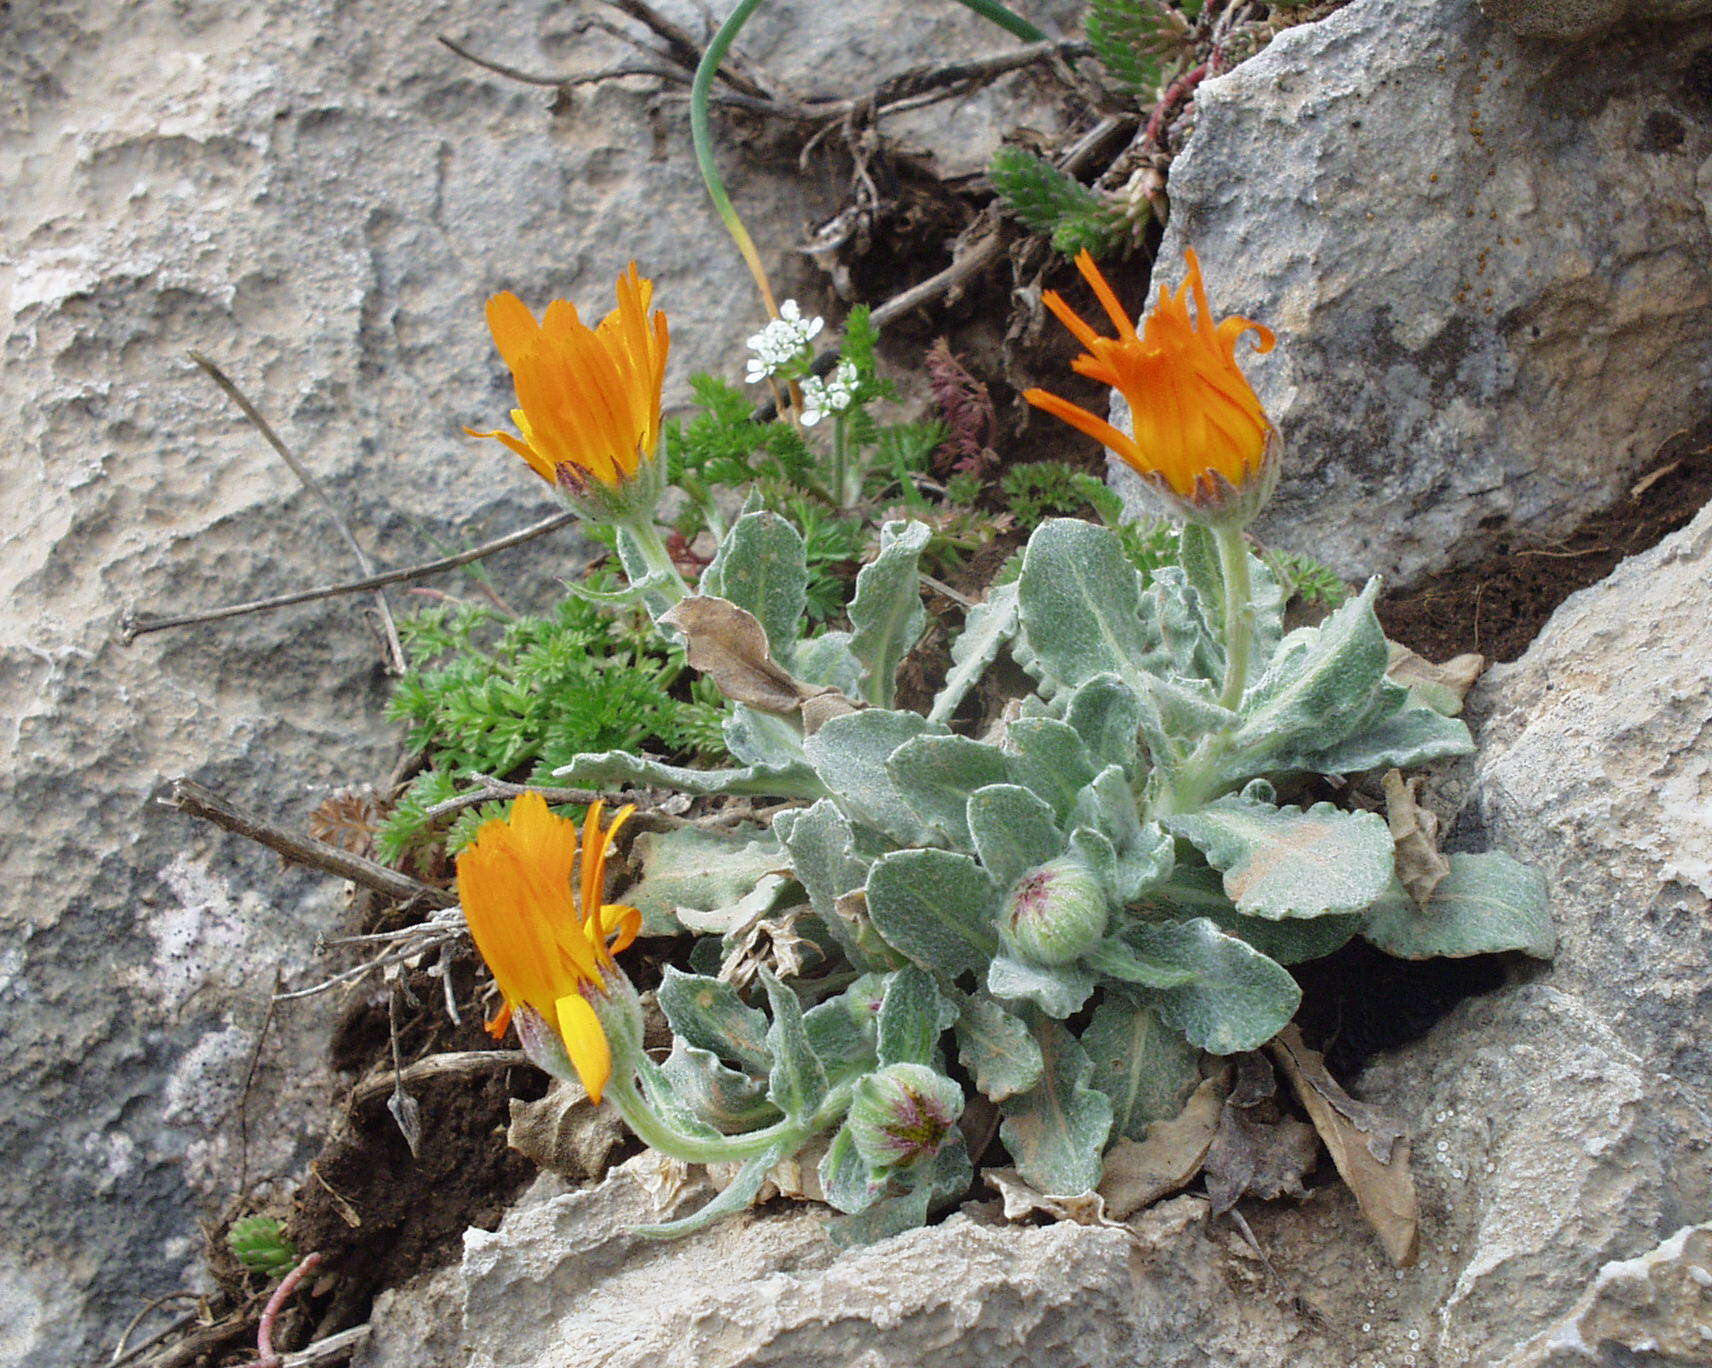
x,y
492,788
394,647
437,1066
122,1353
326,1352
131,627
276,1303
186,795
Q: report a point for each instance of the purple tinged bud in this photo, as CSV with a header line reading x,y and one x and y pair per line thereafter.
x,y
1056,913
903,1114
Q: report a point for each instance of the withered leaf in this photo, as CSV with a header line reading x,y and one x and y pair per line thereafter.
x,y
1371,1151
1442,687
1140,1172
1421,867
1255,1155
564,1132
1022,1201
729,645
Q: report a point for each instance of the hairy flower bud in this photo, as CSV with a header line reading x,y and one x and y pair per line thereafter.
x,y
1056,912
903,1114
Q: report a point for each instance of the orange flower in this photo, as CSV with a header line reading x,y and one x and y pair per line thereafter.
x,y
1200,434
588,398
549,950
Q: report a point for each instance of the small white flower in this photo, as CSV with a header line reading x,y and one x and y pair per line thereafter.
x,y
834,394
782,341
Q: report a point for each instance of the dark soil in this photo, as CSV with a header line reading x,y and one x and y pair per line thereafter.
x,y
1497,604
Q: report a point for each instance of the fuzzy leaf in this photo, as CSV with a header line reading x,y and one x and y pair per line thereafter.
x,y
1057,1130
839,1040
1238,1000
1059,990
762,567
1195,891
936,775
1106,714
619,769
850,753
698,871
828,660
1286,862
739,1193
937,907
1013,831
1080,605
797,1083
709,1014
997,1049
886,616
912,1018
1318,688
1147,1069
729,1101
1486,904
758,738
1397,732
988,626
1140,856
1049,757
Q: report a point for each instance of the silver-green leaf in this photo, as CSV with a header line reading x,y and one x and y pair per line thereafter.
x,y
1487,904
886,616
937,907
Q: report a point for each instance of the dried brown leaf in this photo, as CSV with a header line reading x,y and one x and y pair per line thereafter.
x,y
1415,832
1257,1156
1140,1172
347,819
564,1132
1022,1201
1371,1151
1443,686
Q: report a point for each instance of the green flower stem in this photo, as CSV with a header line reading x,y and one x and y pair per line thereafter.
x,y
658,560
1005,19
840,461
657,1133
1239,612
701,134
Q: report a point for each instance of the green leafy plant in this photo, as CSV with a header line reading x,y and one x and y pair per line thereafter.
x,y
1057,205
259,1243
1075,908
1130,37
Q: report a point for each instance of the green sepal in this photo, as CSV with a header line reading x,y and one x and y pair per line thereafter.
x,y
699,871
1080,606
996,1048
1059,990
1486,904
938,908
1056,1132
797,1083
912,1018
1287,862
1013,831
709,1014
1239,998
987,627
936,775
762,567
1146,1068
849,754
886,615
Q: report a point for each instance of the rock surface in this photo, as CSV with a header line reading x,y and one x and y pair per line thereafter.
x,y
1488,263
1562,1126
319,196
1571,20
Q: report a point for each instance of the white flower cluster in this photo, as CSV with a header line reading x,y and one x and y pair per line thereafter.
x,y
781,341
831,395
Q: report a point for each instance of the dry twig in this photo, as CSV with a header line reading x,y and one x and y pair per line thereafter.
x,y
435,1067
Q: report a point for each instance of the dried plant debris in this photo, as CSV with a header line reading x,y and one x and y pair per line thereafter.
x,y
1421,867
565,1133
1257,1151
1140,1172
347,819
1441,687
1371,1151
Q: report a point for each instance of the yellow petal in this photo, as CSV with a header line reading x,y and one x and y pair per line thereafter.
x,y
585,1042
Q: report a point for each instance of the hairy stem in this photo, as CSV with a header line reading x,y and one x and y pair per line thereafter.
x,y
1239,612
657,559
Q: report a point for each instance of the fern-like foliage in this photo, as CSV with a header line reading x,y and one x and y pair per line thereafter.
x,y
1056,205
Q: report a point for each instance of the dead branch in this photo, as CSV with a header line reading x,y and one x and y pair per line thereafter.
x,y
394,648
131,627
434,1067
188,796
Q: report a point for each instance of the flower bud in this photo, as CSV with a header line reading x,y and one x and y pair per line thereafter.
x,y
903,1114
1056,912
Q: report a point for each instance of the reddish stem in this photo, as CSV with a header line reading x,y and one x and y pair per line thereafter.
x,y
1175,94
275,1304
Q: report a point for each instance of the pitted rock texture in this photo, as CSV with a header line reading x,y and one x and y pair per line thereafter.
x,y
1488,263
319,196
1571,20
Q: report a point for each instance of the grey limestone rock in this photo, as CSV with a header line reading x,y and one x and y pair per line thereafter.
x,y
1572,20
1488,264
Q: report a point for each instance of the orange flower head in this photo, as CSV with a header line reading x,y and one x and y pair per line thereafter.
x,y
550,947
588,399
1200,437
